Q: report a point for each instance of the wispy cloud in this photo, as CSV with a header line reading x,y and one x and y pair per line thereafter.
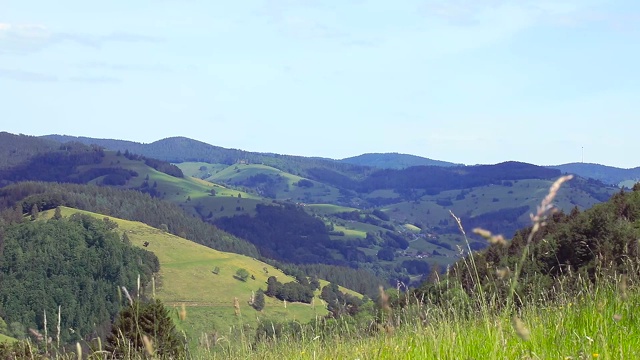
x,y
125,67
26,76
29,38
39,77
301,19
95,79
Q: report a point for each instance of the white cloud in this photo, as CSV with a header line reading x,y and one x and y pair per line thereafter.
x,y
26,76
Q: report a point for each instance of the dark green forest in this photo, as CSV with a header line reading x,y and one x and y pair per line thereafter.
x,y
76,265
282,232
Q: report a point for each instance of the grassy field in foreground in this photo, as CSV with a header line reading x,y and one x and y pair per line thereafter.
x,y
186,277
599,325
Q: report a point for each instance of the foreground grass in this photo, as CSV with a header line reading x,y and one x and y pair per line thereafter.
x,y
600,324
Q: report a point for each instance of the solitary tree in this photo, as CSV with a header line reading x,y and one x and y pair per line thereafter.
x,y
258,300
34,212
242,274
144,319
57,214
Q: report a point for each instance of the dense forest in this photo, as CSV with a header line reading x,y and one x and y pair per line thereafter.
x,y
71,268
282,232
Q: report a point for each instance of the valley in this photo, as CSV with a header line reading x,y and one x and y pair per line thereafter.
x,y
232,224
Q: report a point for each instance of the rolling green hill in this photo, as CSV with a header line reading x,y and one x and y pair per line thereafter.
x,y
186,279
412,203
265,181
181,149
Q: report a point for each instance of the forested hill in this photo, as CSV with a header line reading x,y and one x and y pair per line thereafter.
x,y
435,179
125,204
77,264
607,174
75,163
394,161
15,149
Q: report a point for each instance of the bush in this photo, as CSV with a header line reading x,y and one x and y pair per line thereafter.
x,y
242,274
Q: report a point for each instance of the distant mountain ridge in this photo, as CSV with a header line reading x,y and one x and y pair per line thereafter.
x,y
607,174
394,161
181,149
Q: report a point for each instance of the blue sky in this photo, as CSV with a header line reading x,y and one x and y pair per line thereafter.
x,y
468,81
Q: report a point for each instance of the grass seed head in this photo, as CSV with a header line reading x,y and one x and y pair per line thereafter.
x,y
148,345
622,287
183,312
503,273
521,329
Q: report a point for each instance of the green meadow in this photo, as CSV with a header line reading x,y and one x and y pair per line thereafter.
x,y
187,281
285,186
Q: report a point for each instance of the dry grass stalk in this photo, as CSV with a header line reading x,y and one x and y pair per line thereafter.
x,y
544,209
236,306
492,239
622,287
521,329
79,351
58,327
183,312
45,331
457,219
148,345
126,293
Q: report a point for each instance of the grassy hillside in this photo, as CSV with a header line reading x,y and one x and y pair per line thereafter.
x,y
193,194
263,180
186,278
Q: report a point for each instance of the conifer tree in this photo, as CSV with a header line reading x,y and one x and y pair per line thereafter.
x,y
140,319
258,301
